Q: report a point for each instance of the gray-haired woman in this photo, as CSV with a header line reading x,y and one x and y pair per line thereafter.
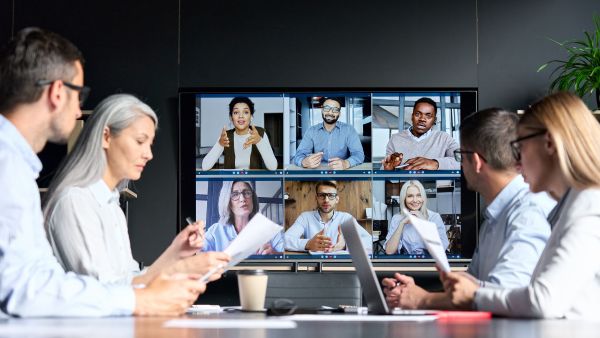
x,y
84,223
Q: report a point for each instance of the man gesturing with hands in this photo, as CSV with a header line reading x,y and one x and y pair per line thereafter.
x,y
320,230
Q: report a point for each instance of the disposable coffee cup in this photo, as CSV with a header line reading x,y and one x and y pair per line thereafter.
x,y
253,289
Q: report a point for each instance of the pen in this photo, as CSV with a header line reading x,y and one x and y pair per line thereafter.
x,y
204,279
190,221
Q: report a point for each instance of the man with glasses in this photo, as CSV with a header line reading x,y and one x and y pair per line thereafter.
x,y
332,144
515,230
419,147
320,230
41,91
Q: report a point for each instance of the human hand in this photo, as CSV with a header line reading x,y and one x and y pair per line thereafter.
x,y
168,295
313,160
223,139
411,295
421,163
202,263
254,137
391,289
391,161
266,249
189,241
340,243
460,289
338,164
319,242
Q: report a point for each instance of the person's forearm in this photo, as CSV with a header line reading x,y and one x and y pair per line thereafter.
x,y
266,152
391,246
436,301
212,157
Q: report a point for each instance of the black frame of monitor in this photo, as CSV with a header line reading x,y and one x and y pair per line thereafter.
x,y
470,216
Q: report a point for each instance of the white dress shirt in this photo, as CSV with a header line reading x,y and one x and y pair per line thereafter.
x,y
88,233
242,156
32,282
566,280
309,223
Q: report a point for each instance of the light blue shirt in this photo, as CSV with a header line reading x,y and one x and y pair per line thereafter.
x,y
309,223
513,236
32,282
342,142
411,241
219,236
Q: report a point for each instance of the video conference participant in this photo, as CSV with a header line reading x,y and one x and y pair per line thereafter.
x,y
333,143
238,203
402,238
40,96
84,222
320,230
515,230
558,150
420,147
251,148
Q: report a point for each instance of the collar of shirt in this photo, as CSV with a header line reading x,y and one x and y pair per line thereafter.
x,y
103,194
337,126
556,211
318,217
419,139
14,137
506,195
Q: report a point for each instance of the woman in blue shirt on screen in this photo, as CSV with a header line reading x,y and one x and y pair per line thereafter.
x,y
238,203
85,224
402,238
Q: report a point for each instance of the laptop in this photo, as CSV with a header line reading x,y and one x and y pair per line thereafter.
x,y
366,275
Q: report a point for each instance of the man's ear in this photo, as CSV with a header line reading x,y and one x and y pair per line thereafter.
x,y
478,162
57,97
105,138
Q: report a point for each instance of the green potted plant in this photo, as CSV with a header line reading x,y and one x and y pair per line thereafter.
x,y
581,71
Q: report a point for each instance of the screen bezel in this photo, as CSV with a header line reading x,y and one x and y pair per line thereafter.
x,y
186,170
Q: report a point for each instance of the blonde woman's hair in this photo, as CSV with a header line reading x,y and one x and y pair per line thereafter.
x,y
403,192
575,132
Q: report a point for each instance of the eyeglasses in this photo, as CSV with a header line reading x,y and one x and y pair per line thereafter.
x,y
282,307
84,91
235,195
328,108
516,144
330,196
458,154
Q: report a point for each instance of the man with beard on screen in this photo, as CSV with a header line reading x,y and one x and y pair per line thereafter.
x,y
332,143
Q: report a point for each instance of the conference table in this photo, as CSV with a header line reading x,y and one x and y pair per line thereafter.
x,y
150,327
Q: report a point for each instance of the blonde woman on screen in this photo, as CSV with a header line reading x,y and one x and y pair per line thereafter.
x,y
558,149
402,238
85,225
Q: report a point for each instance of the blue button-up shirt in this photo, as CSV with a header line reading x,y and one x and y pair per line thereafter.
x,y
342,142
309,223
513,236
219,236
32,282
411,240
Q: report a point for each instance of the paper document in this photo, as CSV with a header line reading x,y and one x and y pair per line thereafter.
x,y
206,323
429,234
257,232
358,318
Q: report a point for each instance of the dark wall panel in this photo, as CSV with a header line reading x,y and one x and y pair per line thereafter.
x,y
513,43
129,48
328,43
6,11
